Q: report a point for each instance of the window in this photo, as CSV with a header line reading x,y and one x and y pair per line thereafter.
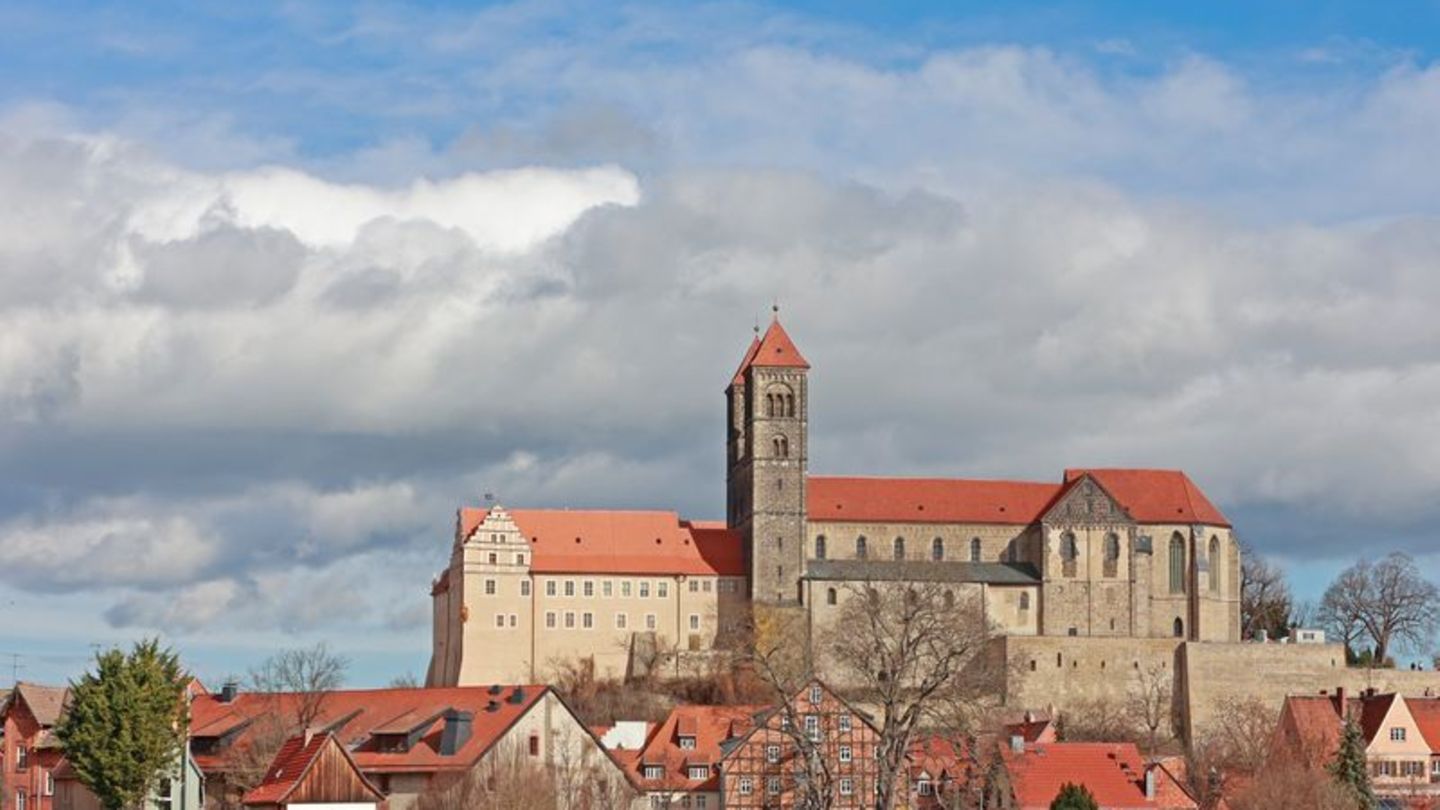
x,y
694,621
19,800
587,620
48,787
569,618
620,620
489,587
644,589
816,695
700,802
659,802
899,548
1177,564
830,596
607,589
772,785
844,722
772,754
845,753
524,587
514,620
699,771
1179,628
492,558
1397,735
694,586
782,447
550,588
662,589
569,587
1024,600
922,787
706,585
500,620
1214,563
625,589
974,549
1112,554
847,786
819,546
588,588
22,757
949,599
654,771
861,552
746,786
550,619
519,559
649,621
1069,553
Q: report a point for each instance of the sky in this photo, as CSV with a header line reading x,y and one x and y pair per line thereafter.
x,y
282,285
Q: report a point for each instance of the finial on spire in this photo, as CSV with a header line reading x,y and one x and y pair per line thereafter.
x,y
757,327
775,309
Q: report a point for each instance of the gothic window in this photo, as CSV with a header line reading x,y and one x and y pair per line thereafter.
x,y
1069,552
974,549
782,447
1177,564
1214,563
819,546
1179,628
1112,554
830,596
899,548
861,552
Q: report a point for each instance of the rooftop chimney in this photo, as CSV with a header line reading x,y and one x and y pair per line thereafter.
x,y
1029,716
229,691
456,732
1339,700
1017,743
1150,782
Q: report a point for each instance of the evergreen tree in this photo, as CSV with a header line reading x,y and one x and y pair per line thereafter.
x,y
125,727
1074,797
1349,769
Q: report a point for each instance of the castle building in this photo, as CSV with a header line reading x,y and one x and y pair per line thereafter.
x,y
1123,553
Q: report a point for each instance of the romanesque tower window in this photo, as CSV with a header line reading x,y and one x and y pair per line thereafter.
x,y
782,447
819,546
1214,563
1179,628
974,549
861,552
1069,553
937,549
899,548
1112,554
830,597
1177,565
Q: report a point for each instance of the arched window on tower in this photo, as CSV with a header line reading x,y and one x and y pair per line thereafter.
x,y
782,447
830,597
1179,628
861,551
1214,563
899,548
1069,553
974,549
819,546
937,549
769,404
1112,554
1177,565
789,404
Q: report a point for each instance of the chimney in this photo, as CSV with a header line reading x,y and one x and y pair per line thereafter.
x,y
1339,700
1017,743
456,732
1150,782
517,697
1029,716
229,691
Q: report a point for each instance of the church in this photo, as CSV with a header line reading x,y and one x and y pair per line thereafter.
x,y
1117,553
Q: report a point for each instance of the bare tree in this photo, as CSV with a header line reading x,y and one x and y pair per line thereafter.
x,y
1149,703
310,674
902,647
1288,784
1387,602
1237,740
1265,602
1100,720
506,779
405,681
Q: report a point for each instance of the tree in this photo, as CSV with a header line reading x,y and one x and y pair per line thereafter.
x,y
1387,603
1237,740
904,648
1074,797
126,723
1149,703
1348,767
1265,602
1288,784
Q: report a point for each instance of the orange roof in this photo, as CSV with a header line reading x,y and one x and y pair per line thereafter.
x,y
1309,729
926,500
46,703
1113,772
1155,496
775,349
1426,712
739,377
594,541
709,726
292,762
354,716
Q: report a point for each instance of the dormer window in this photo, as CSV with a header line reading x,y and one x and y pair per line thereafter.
x,y
687,743
699,772
654,771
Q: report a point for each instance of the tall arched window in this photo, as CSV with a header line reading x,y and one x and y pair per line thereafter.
x,y
974,549
829,596
789,404
1179,628
937,549
769,404
861,551
1112,554
1177,564
782,447
819,546
1069,553
899,548
1214,563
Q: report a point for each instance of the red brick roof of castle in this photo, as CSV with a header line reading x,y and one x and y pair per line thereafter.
x,y
606,541
1148,496
1113,772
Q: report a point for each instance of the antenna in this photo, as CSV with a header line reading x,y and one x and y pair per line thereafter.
x,y
15,666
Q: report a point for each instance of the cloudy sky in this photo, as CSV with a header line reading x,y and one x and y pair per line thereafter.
x,y
282,285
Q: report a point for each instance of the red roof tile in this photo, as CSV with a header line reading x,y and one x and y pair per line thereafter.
x,y
745,363
1426,712
1309,729
709,726
1372,711
592,541
1113,772
355,715
1155,496
776,349
926,500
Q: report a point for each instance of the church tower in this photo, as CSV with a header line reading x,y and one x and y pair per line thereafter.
x,y
766,451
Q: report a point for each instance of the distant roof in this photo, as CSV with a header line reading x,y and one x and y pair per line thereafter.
x,y
1310,727
924,571
293,761
46,703
1113,772
355,716
1426,712
708,727
1155,496
604,541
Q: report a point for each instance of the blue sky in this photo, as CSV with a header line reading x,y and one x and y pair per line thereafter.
x,y
282,285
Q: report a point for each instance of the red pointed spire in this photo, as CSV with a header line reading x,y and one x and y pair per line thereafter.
x,y
749,356
777,349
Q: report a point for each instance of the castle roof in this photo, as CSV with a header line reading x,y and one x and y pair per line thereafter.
x,y
608,541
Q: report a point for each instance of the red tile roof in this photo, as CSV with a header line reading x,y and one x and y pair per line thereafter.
x,y
1426,712
776,349
592,541
709,726
1113,772
1309,729
1371,714
926,500
1155,496
293,761
745,363
355,715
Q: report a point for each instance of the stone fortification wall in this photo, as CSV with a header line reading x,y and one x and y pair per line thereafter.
x,y
1065,673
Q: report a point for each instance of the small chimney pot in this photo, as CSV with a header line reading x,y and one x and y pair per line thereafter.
x,y
229,691
1150,782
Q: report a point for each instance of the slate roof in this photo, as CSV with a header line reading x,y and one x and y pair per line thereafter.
x,y
992,573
